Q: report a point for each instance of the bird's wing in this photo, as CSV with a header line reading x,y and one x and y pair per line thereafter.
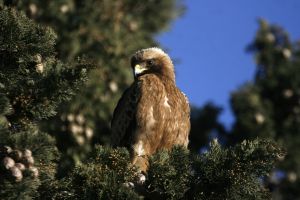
x,y
185,124
124,121
186,103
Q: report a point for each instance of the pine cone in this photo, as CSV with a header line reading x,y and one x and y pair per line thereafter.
x,y
27,153
39,68
17,162
5,150
34,171
20,166
8,162
16,173
16,155
28,161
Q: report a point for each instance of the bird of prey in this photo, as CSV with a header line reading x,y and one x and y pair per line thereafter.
x,y
152,113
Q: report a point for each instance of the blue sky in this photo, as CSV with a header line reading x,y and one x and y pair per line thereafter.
x,y
208,45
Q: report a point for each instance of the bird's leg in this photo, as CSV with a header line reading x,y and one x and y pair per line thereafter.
x,y
141,161
139,156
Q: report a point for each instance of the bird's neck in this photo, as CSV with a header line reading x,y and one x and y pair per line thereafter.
x,y
168,79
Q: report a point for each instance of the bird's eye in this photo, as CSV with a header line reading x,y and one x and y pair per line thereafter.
x,y
150,62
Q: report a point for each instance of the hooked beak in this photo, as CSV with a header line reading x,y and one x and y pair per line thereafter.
x,y
138,69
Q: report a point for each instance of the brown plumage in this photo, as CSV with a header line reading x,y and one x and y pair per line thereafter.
x,y
153,113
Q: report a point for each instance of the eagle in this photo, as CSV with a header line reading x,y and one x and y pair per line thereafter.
x,y
152,114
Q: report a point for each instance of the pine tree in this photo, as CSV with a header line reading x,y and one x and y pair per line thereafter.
x,y
233,173
33,84
269,106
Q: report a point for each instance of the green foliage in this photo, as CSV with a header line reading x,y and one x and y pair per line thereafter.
x,y
30,76
98,183
169,174
254,114
5,108
21,42
32,85
103,176
23,190
269,107
235,173
115,160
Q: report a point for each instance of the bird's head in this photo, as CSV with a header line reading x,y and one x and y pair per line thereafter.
x,y
152,61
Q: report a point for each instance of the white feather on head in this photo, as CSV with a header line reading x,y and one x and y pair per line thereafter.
x,y
155,49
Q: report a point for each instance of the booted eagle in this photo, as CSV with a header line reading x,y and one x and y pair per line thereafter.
x,y
152,113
